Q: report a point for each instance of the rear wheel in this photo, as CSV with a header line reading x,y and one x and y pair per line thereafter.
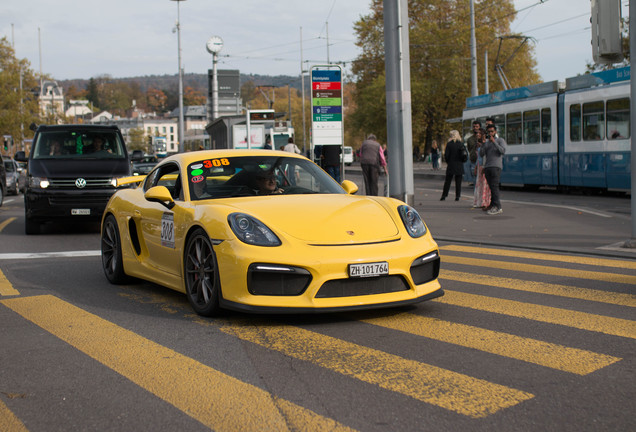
x,y
202,281
112,261
1,195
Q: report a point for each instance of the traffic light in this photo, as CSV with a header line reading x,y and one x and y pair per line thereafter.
x,y
5,144
607,46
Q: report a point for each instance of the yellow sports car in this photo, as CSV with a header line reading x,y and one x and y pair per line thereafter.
x,y
266,231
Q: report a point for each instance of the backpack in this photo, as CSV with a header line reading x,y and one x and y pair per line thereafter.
x,y
463,153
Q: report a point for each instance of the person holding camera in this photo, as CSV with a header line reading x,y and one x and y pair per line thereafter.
x,y
493,149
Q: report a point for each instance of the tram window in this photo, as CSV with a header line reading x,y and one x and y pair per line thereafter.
x,y
593,121
500,122
618,119
575,122
546,125
513,128
531,126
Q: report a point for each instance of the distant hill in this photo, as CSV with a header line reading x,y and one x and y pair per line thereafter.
x,y
196,81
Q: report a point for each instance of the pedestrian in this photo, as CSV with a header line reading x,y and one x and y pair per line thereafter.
x,y
471,144
331,160
291,147
435,155
482,191
268,143
493,149
454,165
372,161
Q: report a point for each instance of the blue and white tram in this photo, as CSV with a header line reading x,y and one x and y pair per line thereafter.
x,y
576,137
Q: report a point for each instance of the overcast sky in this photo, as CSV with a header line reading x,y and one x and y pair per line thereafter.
x,y
124,38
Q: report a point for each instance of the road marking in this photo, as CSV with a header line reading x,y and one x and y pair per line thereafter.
x,y
68,254
190,386
620,299
6,289
9,422
472,397
580,320
5,223
573,360
532,268
544,256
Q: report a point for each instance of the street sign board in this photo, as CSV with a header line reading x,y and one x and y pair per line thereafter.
x,y
326,102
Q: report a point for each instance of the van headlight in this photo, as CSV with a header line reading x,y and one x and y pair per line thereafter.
x,y
412,221
38,182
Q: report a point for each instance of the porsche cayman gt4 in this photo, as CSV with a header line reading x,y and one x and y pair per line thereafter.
x,y
269,232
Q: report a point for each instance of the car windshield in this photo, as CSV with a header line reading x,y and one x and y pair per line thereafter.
x,y
76,144
8,166
257,175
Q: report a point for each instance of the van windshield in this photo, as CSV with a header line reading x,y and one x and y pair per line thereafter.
x,y
78,144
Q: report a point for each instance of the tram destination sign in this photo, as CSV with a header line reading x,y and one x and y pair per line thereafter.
x,y
326,102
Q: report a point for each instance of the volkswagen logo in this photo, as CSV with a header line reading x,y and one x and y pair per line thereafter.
x,y
80,183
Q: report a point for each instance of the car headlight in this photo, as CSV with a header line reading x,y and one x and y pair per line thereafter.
x,y
38,182
412,221
252,231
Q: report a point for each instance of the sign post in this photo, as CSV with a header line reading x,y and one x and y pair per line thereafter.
x,y
326,102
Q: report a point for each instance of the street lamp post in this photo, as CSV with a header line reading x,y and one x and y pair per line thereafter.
x,y
214,45
181,123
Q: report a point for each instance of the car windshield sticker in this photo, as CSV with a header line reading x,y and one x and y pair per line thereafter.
x,y
216,162
196,166
167,230
197,179
196,172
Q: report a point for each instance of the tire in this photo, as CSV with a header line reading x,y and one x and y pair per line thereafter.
x,y
201,274
1,195
31,227
112,261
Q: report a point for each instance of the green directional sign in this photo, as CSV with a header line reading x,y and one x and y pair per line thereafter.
x,y
327,117
327,102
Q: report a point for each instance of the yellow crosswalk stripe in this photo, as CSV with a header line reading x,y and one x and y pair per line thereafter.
x,y
546,354
532,268
620,299
543,256
6,289
9,422
230,404
547,314
453,391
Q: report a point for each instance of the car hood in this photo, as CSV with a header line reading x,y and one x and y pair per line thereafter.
x,y
324,219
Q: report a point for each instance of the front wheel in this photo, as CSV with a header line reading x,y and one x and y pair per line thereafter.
x,y
112,260
202,282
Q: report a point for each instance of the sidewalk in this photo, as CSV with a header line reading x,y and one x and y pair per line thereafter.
x,y
539,226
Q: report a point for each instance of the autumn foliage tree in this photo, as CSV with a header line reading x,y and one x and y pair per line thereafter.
x,y
439,33
18,103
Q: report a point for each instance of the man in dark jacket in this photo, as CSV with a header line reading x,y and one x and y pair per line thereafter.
x,y
454,165
331,160
493,150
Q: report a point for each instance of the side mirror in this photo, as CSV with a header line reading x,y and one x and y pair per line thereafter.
x,y
137,155
349,187
160,194
33,127
20,156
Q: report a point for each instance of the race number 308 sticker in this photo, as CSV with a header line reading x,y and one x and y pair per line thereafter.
x,y
167,230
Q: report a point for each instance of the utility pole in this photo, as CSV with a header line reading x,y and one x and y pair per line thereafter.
x,y
473,51
302,85
398,100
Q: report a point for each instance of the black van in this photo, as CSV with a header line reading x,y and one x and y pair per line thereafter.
x,y
72,172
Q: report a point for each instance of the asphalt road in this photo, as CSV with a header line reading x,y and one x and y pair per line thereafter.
x,y
525,339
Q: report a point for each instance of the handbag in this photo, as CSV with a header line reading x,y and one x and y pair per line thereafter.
x,y
464,153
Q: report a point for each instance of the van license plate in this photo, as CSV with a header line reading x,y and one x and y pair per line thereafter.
x,y
80,211
369,269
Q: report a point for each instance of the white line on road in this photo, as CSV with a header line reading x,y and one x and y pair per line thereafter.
x,y
69,254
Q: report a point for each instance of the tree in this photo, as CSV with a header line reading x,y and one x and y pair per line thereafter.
x,y
439,33
136,140
193,97
18,103
156,100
